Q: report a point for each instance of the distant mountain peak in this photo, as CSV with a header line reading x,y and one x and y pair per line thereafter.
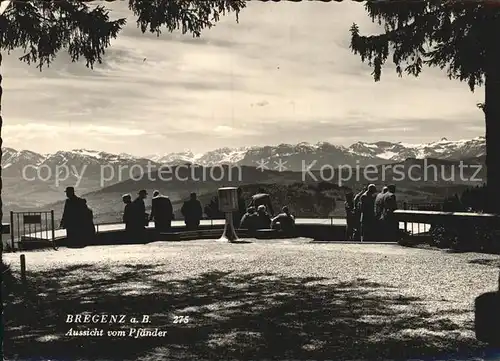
x,y
295,154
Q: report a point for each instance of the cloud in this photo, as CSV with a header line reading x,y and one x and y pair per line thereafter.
x,y
262,103
283,74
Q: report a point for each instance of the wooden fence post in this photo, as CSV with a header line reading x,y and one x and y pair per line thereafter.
x,y
12,236
23,269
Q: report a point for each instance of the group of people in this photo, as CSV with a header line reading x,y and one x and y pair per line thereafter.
x,y
259,218
260,215
77,219
370,214
136,218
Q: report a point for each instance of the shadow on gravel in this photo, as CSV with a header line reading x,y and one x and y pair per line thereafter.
x,y
231,316
486,262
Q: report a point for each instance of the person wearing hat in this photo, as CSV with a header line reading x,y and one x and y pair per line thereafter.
x,y
73,217
161,212
192,212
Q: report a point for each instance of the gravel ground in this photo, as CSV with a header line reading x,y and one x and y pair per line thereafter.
x,y
275,299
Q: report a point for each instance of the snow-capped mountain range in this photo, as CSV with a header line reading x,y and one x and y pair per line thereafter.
x,y
29,178
382,151
362,153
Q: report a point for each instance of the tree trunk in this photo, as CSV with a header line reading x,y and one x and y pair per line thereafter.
x,y
1,147
492,115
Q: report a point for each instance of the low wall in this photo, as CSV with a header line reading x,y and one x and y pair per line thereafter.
x,y
321,232
434,217
478,232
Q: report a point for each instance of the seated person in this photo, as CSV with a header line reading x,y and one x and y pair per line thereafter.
x,y
262,198
264,219
250,220
284,221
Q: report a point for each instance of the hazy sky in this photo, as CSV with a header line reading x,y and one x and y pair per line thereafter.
x,y
284,74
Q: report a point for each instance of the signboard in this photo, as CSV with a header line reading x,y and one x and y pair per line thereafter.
x,y
5,228
228,199
32,219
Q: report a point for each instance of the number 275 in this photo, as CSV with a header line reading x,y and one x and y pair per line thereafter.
x,y
181,319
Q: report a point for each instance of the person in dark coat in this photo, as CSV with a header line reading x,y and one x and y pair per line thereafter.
x,y
89,223
390,223
357,213
285,221
212,209
161,212
264,219
127,211
250,220
357,197
368,221
192,212
73,218
139,217
350,215
262,198
379,207
237,216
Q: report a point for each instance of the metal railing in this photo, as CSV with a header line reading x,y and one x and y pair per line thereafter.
x,y
34,226
44,224
103,224
475,231
30,226
422,206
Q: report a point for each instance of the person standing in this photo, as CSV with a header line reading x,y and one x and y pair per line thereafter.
x,y
161,212
350,215
237,216
127,211
357,213
192,212
379,207
89,223
139,217
368,221
73,218
379,204
390,204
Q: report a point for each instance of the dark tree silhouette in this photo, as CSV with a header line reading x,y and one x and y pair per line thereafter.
x,y
44,28
457,35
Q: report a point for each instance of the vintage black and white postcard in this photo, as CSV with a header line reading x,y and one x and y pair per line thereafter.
x,y
250,180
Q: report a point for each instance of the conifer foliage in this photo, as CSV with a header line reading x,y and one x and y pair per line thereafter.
x,y
457,36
